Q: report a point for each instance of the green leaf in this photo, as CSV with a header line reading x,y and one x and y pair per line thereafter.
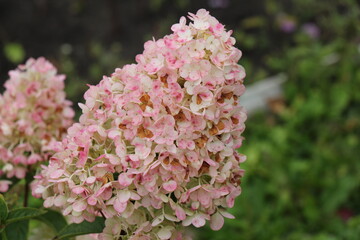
x,y
17,231
14,52
3,235
3,209
20,214
83,228
53,219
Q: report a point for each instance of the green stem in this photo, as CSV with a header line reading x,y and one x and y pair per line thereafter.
x,y
3,235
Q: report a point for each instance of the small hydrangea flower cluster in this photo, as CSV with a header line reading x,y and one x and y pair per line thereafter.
x,y
156,144
34,115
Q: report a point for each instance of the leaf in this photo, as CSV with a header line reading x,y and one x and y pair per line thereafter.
x,y
53,219
3,209
20,214
83,228
17,231
14,52
3,235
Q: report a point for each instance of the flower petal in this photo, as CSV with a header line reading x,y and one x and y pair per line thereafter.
x,y
216,221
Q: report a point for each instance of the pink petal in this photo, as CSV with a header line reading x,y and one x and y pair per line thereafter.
x,y
227,215
49,202
4,185
198,221
186,222
135,196
216,221
124,180
82,159
170,186
204,197
90,180
60,200
92,200
210,162
20,172
119,206
78,190
124,196
56,174
180,213
113,134
79,206
230,200
114,159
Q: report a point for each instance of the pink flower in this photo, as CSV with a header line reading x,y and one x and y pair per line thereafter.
x,y
195,70
156,146
34,115
4,185
183,32
201,19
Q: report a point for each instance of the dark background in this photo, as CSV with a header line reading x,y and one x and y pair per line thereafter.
x,y
302,174
87,39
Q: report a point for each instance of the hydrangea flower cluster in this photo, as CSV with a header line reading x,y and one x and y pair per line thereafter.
x,y
156,144
34,115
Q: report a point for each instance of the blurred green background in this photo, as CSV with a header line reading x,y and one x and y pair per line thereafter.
x,y
303,169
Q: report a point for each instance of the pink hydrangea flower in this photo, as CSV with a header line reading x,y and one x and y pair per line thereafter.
x,y
34,115
156,146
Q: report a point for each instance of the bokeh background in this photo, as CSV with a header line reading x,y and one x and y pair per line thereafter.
x,y
303,169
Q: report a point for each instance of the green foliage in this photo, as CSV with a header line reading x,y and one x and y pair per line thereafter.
x,y
302,175
15,223
14,52
3,210
83,228
21,214
53,219
17,231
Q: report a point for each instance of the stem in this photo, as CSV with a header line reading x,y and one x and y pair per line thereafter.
x,y
26,193
27,188
102,214
3,235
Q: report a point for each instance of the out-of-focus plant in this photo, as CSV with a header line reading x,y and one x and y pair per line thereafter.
x,y
14,52
34,115
302,181
14,222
